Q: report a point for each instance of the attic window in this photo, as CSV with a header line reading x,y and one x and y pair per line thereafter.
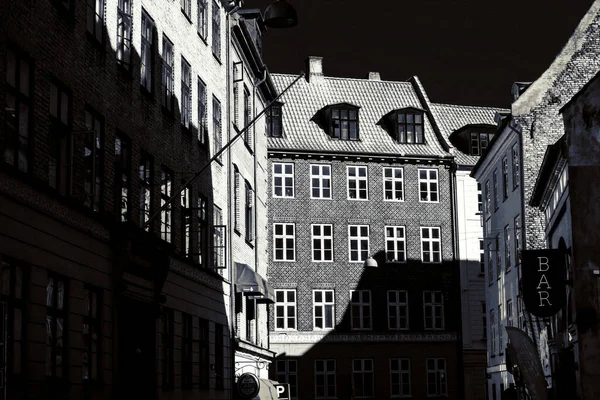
x,y
479,143
344,123
274,125
409,126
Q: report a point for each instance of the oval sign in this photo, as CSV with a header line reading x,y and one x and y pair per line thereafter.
x,y
248,385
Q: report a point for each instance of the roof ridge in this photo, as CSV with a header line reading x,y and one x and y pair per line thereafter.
x,y
469,106
346,78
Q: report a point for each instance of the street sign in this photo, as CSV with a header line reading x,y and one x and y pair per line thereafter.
x,y
283,391
543,281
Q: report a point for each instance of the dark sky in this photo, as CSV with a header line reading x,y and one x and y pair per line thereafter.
x,y
463,51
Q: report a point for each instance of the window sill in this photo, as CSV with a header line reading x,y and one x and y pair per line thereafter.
x,y
202,38
147,94
507,271
95,43
249,148
216,57
321,198
351,199
124,70
189,19
249,243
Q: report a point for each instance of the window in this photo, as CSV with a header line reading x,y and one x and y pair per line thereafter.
x,y
400,377
484,319
204,356
287,372
488,200
236,104
146,179
124,33
220,355
56,314
93,160
498,256
395,244
358,243
322,242
250,320
218,252
323,309
493,332
344,123
16,147
433,306
186,350
202,113
362,378
92,334
13,294
436,377
60,141
500,333
428,185
249,212
186,92
397,302
507,248
479,143
236,198
504,178
479,198
216,29
168,345
283,180
186,8
247,117
285,309
274,122
284,242
517,224
495,179
166,191
490,263
481,257
167,74
393,184
357,183
431,251
217,131
186,221
201,233
320,181
147,52
65,7
360,309
95,19
122,177
203,19
509,313
409,127
325,386
515,166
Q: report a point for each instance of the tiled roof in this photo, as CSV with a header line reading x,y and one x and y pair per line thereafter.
x,y
450,117
374,97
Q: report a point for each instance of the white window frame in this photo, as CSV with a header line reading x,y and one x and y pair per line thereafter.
x,y
286,310
284,237
437,310
394,307
322,239
403,373
428,181
364,371
321,178
283,175
323,305
359,239
393,180
357,179
440,373
398,243
327,376
363,308
431,240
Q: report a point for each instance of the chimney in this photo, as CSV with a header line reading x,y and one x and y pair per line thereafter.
x,y
518,88
314,69
374,76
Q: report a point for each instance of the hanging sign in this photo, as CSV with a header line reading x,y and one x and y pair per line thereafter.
x,y
248,385
543,282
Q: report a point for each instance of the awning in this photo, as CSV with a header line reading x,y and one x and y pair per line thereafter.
x,y
247,281
524,354
268,295
267,390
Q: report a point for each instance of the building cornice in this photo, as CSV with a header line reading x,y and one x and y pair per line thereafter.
x,y
363,157
362,337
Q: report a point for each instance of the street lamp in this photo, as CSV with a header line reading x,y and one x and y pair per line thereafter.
x,y
280,14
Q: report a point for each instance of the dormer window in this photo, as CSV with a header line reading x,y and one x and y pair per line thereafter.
x,y
480,143
274,125
344,123
409,126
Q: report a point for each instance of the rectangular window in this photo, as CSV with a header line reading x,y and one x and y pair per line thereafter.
x,y
504,178
490,262
274,122
124,33
202,113
410,127
515,166
217,130
283,180
395,244
284,242
488,200
14,294
436,377
495,181
203,19
247,117
56,327
357,183
479,198
500,331
344,123
186,350
146,183
186,92
484,319
186,221
220,355
93,160
287,372
509,313
397,304
92,334
236,104
323,309
95,19
147,52
204,357
507,246
186,8
218,250
285,309
479,143
322,242
216,29
481,257
16,146
362,378
201,233
498,256
249,213
358,243
167,74
400,377
433,308
236,198
60,141
360,309
428,185
517,231
122,177
325,385
493,332
166,191
393,184
431,246
320,181
168,345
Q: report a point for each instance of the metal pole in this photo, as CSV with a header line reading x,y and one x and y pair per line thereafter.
x,y
217,154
